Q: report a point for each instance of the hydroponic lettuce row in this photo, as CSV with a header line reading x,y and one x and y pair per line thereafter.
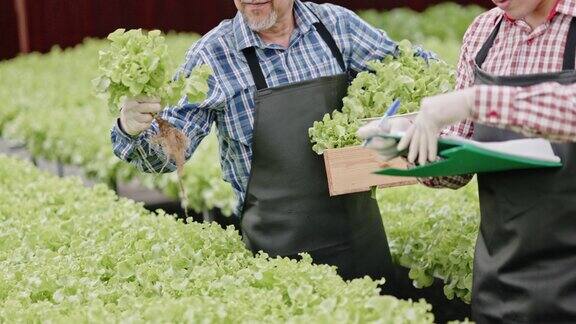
x,y
433,232
406,77
423,28
138,64
79,255
404,23
49,103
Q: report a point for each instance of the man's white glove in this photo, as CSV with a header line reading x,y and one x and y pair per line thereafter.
x,y
136,114
436,113
386,148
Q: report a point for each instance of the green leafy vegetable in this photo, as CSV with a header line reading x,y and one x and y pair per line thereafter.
x,y
404,23
433,232
80,255
138,64
49,104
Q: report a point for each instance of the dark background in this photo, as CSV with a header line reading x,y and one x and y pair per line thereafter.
x,y
68,22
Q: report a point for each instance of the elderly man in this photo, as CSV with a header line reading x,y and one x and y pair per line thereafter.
x,y
279,65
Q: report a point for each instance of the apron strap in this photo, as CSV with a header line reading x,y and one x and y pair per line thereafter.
x,y
329,40
252,59
570,50
483,53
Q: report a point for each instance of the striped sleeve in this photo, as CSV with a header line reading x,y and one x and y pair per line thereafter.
x,y
546,110
464,79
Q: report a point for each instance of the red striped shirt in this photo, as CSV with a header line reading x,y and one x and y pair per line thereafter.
x,y
545,110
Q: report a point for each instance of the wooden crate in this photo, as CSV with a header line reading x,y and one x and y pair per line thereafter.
x,y
350,170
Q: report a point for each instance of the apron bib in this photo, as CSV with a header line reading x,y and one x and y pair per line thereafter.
x,y
288,209
525,258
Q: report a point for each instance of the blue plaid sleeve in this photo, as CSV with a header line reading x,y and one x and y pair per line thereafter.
x,y
363,42
194,119
367,43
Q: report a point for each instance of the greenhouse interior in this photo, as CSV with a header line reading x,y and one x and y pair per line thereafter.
x,y
287,161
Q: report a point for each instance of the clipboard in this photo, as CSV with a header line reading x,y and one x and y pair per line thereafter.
x,y
461,156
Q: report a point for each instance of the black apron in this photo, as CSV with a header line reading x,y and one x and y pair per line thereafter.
x,y
525,260
287,209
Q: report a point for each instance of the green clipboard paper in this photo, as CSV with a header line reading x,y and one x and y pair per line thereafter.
x,y
460,158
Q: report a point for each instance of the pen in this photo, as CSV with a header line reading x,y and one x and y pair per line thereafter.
x,y
391,111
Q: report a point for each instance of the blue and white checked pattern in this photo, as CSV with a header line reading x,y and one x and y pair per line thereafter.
x,y
230,101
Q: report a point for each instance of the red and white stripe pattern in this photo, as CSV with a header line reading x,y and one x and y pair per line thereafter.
x,y
545,110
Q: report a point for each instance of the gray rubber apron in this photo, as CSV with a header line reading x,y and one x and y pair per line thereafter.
x,y
287,209
525,260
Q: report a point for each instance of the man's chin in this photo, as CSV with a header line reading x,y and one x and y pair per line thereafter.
x,y
255,19
260,23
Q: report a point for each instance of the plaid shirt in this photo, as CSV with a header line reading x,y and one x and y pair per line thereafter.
x,y
545,110
230,101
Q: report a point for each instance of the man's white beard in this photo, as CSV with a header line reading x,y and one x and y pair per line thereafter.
x,y
262,24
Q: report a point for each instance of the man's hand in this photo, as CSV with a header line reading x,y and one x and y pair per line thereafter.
x,y
386,148
435,114
136,114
